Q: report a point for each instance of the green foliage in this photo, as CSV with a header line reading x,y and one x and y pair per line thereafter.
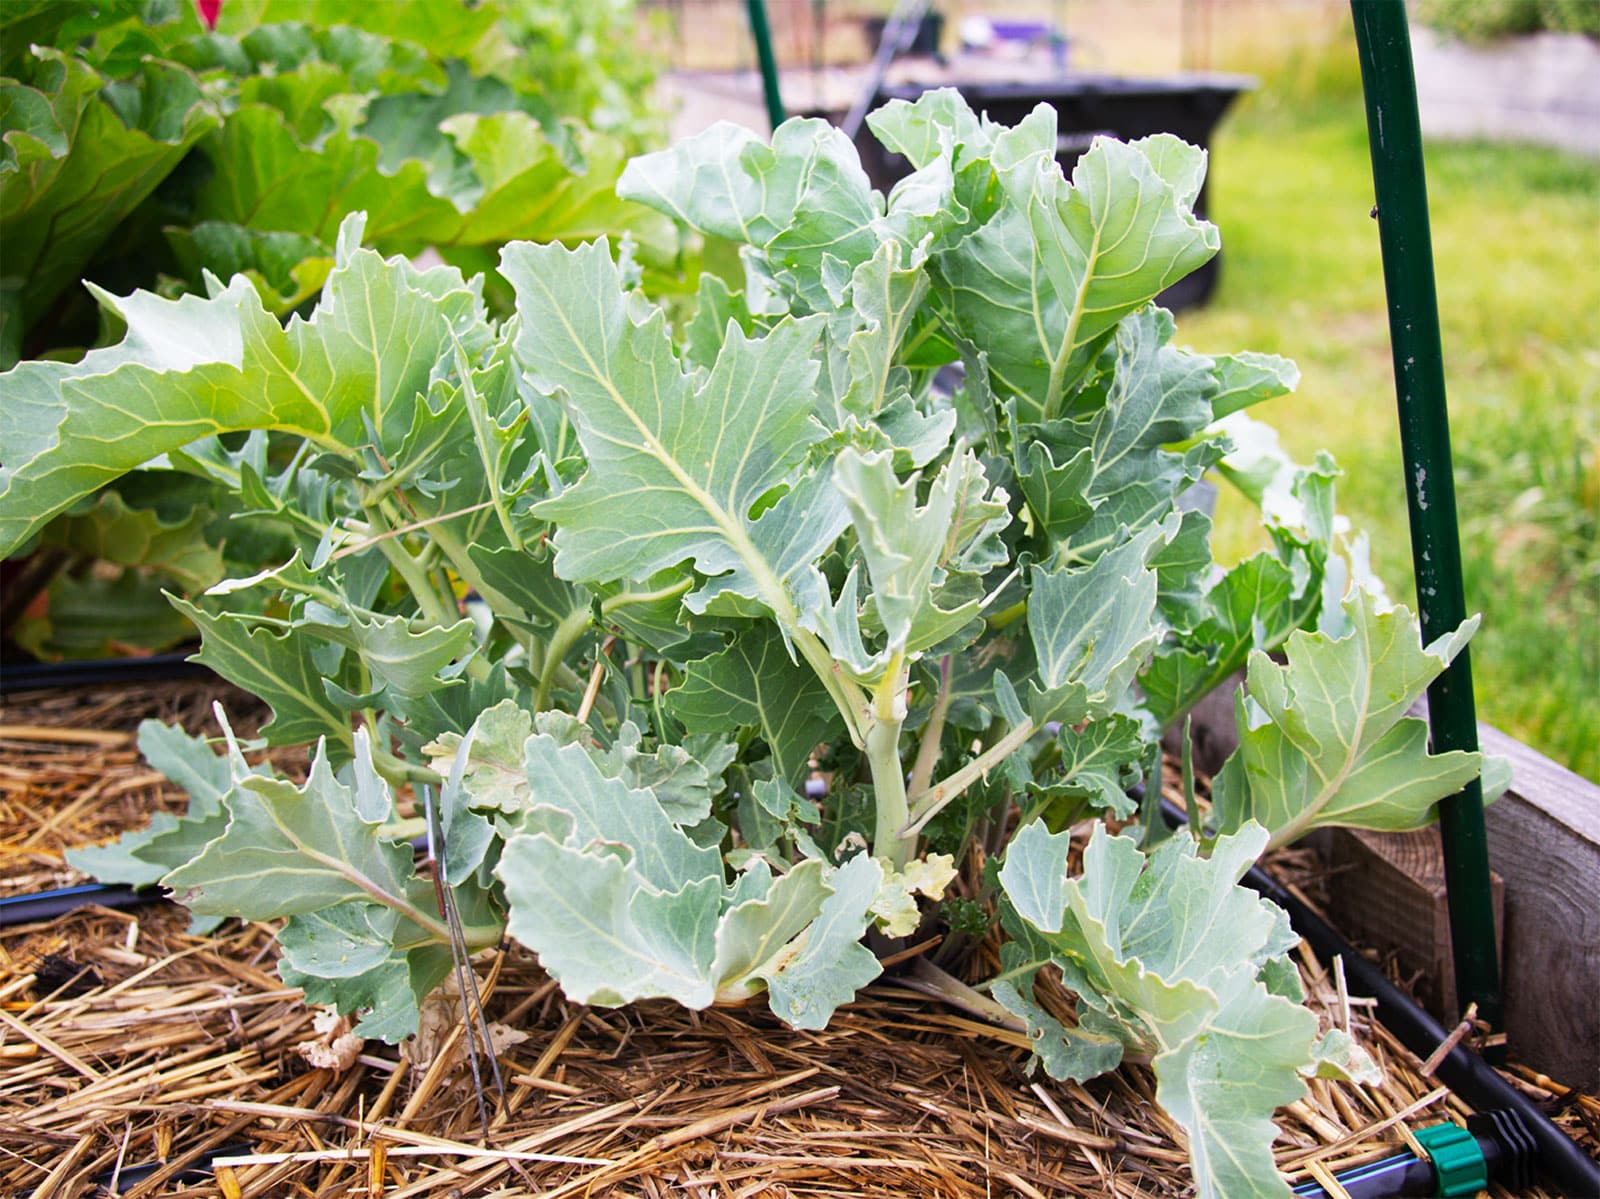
x,y
703,555
138,149
1490,20
1172,958
1304,279
180,151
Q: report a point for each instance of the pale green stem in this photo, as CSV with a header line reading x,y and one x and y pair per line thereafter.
x,y
396,771
437,607
929,979
1007,616
932,735
417,581
847,695
888,793
480,419
888,774
572,627
403,830
935,799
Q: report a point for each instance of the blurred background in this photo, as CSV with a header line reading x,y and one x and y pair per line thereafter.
x,y
1516,229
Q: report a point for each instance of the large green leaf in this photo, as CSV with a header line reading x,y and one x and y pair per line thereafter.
x,y
78,154
1167,954
621,904
290,850
801,200
753,684
191,368
1325,739
143,857
1041,285
111,531
677,465
1092,627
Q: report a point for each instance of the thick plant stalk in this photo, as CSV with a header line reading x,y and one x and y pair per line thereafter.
x,y
888,773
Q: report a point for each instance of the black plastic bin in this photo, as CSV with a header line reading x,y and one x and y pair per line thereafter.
x,y
1186,105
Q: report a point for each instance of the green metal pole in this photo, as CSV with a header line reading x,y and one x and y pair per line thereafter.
x,y
1387,77
762,32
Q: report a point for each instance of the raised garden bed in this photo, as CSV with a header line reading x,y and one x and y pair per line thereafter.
x,y
129,1042
693,653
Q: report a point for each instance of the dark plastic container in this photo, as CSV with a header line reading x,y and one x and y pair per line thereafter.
x,y
930,32
1186,105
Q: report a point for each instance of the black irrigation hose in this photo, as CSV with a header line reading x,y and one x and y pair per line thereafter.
x,y
98,672
199,1170
1463,1071
50,905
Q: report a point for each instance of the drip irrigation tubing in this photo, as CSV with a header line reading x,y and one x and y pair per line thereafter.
x,y
99,672
53,904
1463,1071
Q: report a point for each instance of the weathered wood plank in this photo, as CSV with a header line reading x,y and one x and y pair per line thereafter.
x,y
1544,840
1387,891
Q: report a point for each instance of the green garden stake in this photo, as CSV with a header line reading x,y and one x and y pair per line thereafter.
x,y
1394,133
762,32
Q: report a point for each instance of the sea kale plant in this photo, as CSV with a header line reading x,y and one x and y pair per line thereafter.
x,y
725,634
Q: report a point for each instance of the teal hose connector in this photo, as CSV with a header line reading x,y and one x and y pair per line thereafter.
x,y
1457,1160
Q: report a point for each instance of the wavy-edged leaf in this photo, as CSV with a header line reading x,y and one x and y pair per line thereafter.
x,y
829,965
292,850
1324,740
1041,285
1158,395
79,153
283,669
620,904
910,549
1092,627
144,856
801,200
1166,953
754,684
677,465
190,369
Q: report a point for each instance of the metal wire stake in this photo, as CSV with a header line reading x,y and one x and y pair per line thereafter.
x,y
466,981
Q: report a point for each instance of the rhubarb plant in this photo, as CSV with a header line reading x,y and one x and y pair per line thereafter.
x,y
724,636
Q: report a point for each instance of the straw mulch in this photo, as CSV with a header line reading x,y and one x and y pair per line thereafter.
x,y
131,1051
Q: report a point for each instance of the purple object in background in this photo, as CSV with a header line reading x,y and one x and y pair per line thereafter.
x,y
1020,31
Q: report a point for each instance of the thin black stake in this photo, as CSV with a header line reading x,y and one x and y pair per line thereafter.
x,y
466,980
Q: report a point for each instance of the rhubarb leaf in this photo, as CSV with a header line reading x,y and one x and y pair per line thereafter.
x,y
190,369
79,153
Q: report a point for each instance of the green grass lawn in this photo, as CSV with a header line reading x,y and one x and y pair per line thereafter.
x,y
1516,242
